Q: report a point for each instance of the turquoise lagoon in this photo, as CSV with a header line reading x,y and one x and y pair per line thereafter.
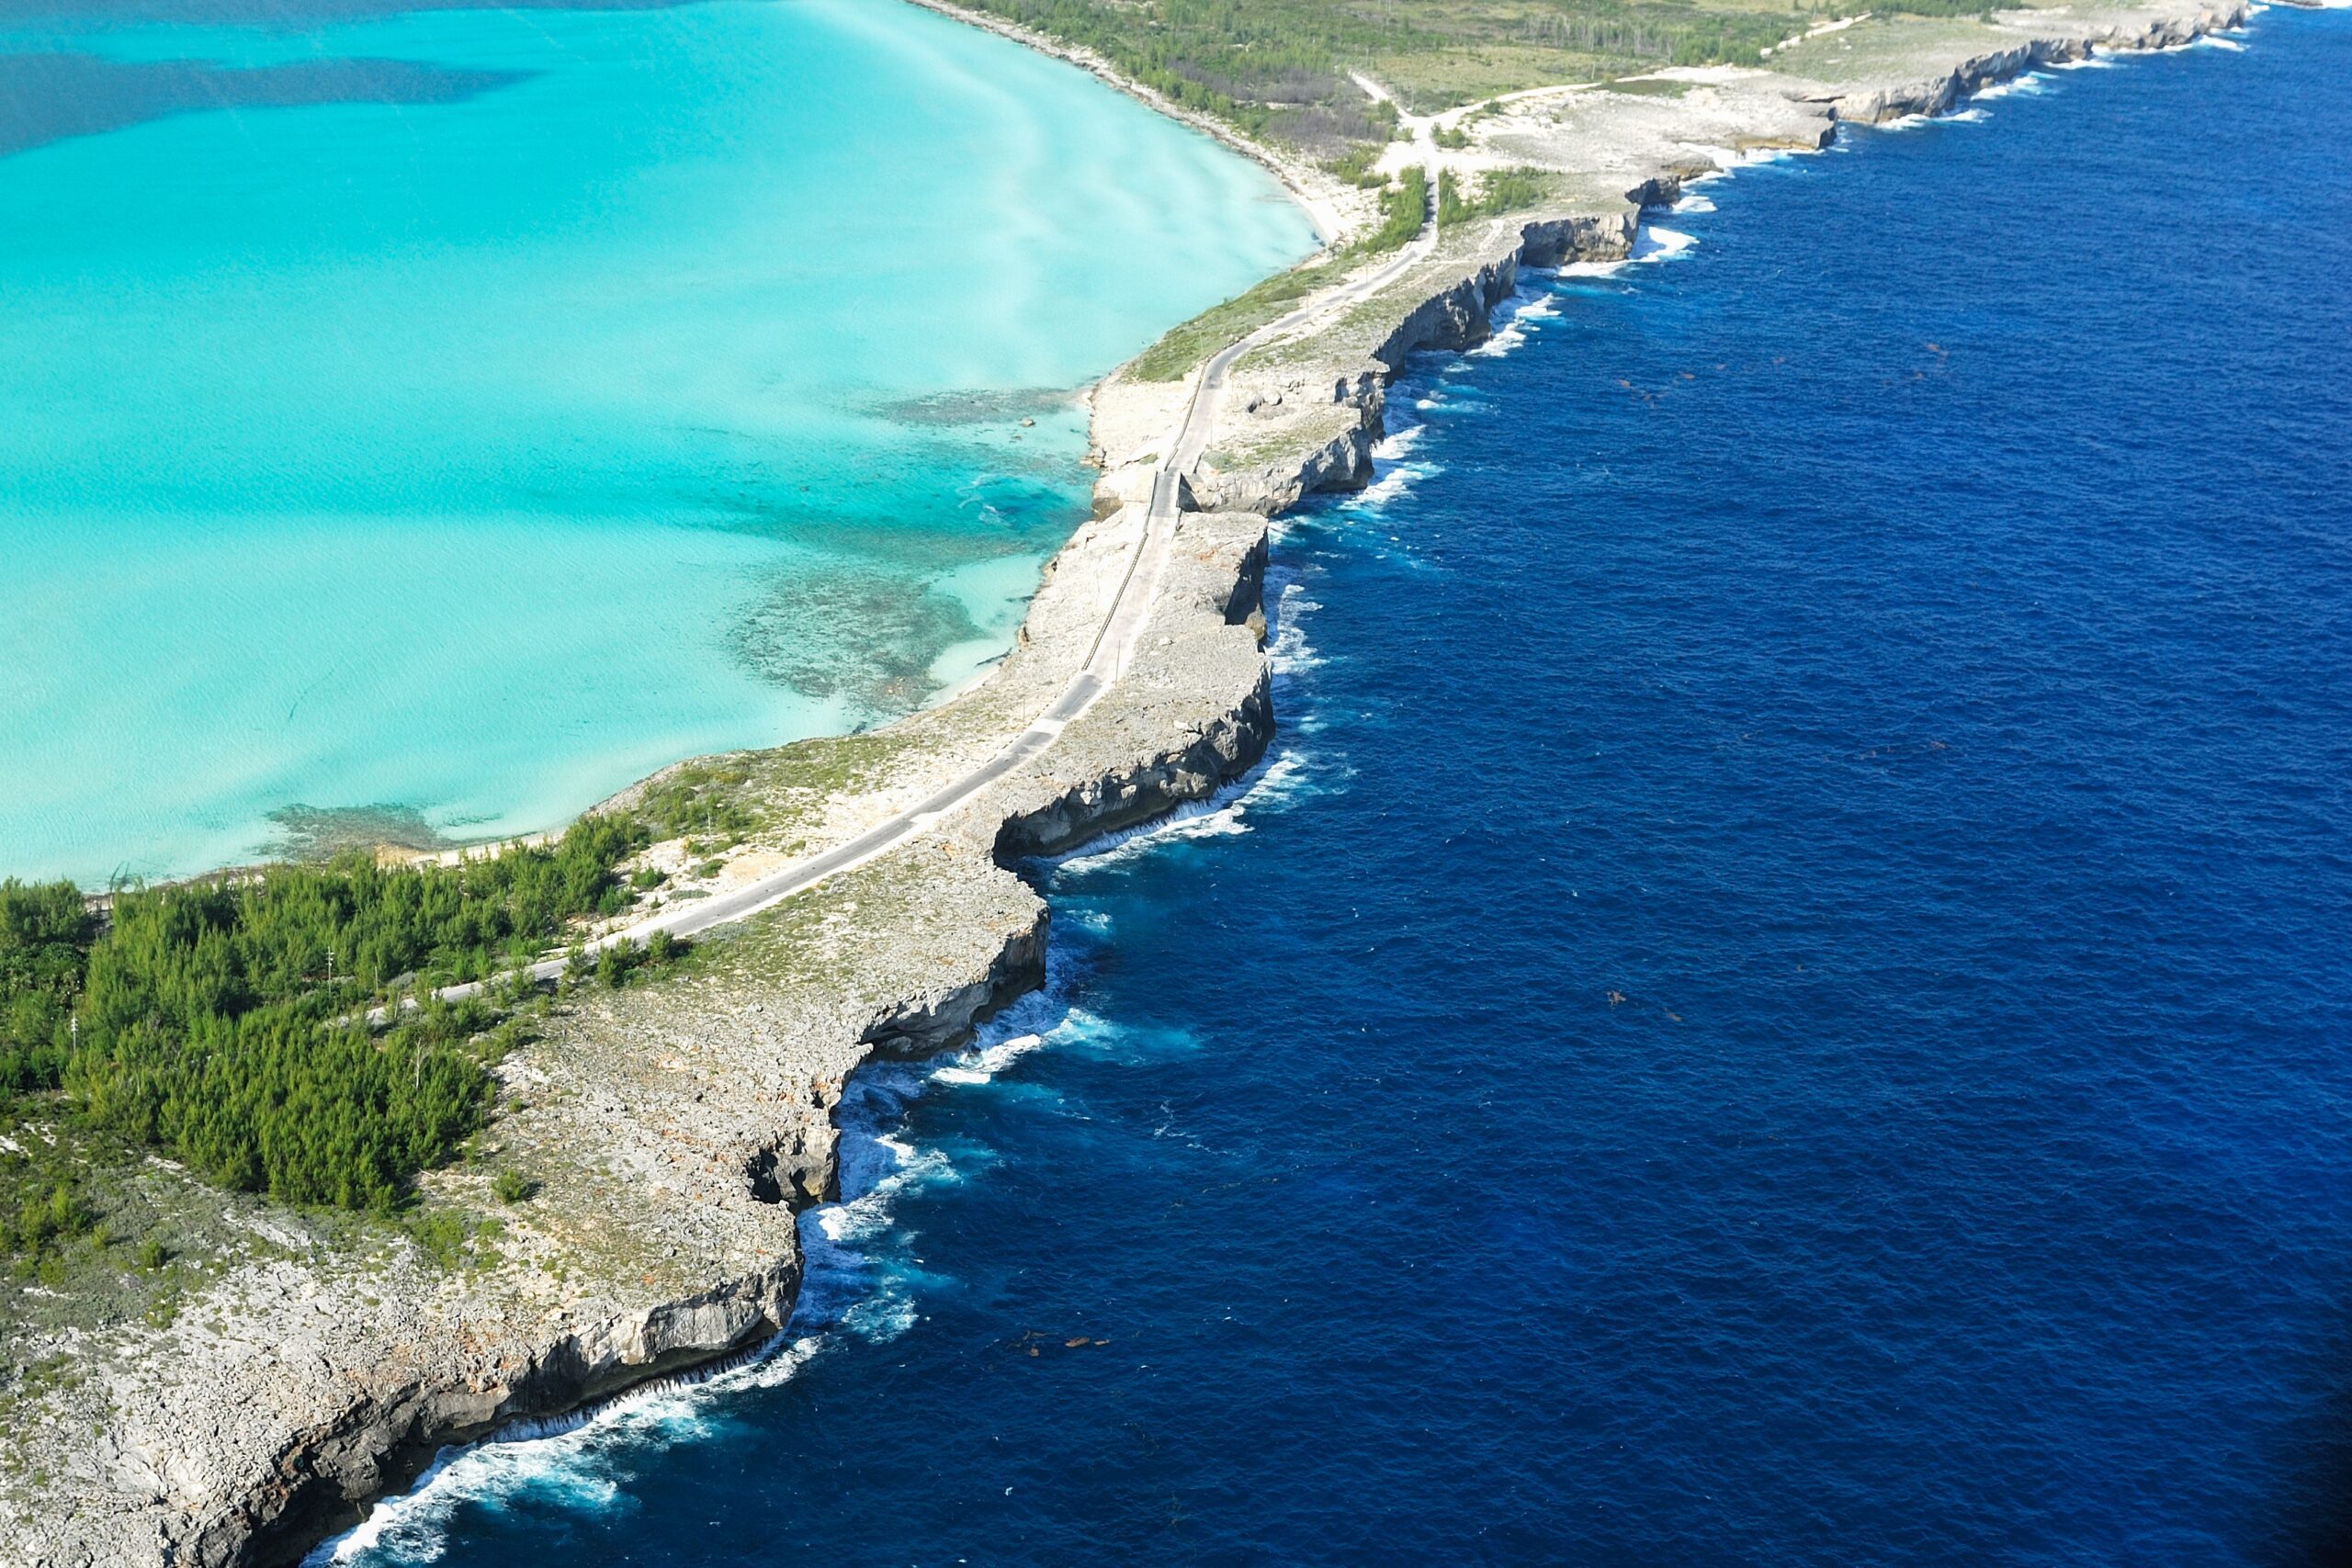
x,y
430,421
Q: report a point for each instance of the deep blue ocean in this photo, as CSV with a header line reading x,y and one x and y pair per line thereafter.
x,y
1785,996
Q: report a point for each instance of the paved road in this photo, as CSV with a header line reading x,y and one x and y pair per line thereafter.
x,y
1114,642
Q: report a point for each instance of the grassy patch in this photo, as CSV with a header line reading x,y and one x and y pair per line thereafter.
x,y
1280,69
701,797
1403,205
1646,87
1187,343
1498,191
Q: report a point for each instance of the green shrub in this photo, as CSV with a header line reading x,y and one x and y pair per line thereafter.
x,y
198,1021
700,797
44,932
513,1185
1185,345
1500,190
45,1220
449,1238
1354,167
1403,205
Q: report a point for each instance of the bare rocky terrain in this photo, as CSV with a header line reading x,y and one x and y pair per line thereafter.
x,y
299,1368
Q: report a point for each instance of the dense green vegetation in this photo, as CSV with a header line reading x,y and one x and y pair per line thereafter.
x,y
701,797
224,1023
1354,166
1500,190
44,932
1280,69
1265,66
1404,207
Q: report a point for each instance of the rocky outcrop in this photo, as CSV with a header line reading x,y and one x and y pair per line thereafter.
x,y
380,1442
944,1018
1592,236
1188,770
1940,94
1323,421
1339,461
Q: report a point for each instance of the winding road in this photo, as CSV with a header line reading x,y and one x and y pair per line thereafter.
x,y
1114,644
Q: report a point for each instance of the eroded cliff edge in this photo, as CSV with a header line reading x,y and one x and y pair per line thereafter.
x,y
676,1130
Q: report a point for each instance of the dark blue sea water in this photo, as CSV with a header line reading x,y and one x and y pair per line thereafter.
x,y
1785,998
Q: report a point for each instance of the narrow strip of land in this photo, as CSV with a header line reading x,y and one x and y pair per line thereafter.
x,y
1114,644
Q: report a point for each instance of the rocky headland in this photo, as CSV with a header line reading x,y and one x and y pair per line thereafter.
x,y
299,1367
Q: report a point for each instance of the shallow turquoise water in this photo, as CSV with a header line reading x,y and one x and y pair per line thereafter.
x,y
470,411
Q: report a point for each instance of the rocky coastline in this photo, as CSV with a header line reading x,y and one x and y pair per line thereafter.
x,y
674,1131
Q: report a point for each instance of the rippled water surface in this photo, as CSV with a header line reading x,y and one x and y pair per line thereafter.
x,y
428,420
1783,999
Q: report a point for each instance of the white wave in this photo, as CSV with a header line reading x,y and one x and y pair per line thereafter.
x,y
1654,243
2215,41
1222,815
874,1167
1690,203
582,1461
1287,647
981,1063
1530,304
2025,85
1391,474
880,1319
1968,117
570,1463
2094,62
1390,481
